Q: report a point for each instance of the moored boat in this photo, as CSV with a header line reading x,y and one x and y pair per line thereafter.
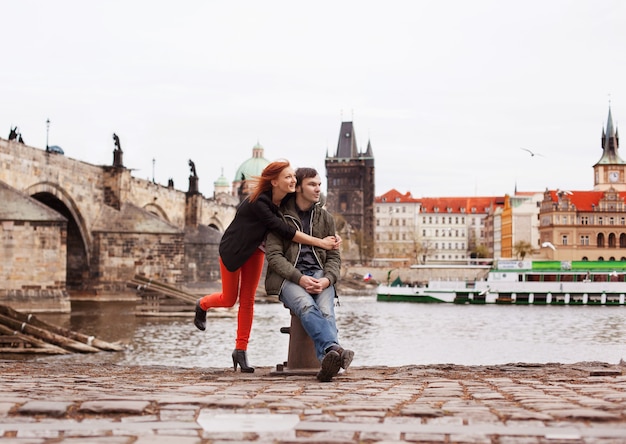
x,y
524,283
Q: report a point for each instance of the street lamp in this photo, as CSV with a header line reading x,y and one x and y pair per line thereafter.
x,y
47,133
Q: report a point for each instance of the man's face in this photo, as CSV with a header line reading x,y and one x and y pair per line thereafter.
x,y
310,189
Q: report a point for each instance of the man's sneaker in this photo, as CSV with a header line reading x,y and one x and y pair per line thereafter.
x,y
330,366
346,358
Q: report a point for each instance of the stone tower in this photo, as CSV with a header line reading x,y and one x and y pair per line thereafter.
x,y
350,187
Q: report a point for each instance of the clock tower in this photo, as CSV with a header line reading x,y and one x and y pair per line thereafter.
x,y
610,171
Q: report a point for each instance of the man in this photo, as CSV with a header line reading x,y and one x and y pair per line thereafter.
x,y
304,277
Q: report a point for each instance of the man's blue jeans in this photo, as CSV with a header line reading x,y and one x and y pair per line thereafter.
x,y
316,313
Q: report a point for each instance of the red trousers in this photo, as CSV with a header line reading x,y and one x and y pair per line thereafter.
x,y
239,284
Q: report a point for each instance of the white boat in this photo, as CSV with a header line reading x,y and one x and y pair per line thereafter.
x,y
523,283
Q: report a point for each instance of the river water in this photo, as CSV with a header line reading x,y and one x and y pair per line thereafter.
x,y
380,333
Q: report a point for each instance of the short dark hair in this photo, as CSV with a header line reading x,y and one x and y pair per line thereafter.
x,y
304,173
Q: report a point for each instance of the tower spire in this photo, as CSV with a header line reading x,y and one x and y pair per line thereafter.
x,y
610,142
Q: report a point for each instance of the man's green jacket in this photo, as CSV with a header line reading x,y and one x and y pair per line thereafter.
x,y
282,254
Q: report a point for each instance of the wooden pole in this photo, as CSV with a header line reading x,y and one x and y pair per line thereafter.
x,y
85,339
37,345
45,335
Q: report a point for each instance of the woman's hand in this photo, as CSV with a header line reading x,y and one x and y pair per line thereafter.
x,y
338,241
329,243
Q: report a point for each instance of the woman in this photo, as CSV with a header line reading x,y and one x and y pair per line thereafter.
x,y
242,257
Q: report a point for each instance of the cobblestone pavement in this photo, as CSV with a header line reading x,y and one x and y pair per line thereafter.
x,y
518,403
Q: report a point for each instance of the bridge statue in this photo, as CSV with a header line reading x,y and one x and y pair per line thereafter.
x,y
118,161
192,166
193,179
15,134
117,142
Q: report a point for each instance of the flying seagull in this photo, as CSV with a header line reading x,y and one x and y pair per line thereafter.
x,y
548,245
532,154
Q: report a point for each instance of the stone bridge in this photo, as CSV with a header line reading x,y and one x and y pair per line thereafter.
x,y
113,226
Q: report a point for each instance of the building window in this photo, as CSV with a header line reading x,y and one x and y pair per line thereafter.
x,y
564,239
611,221
584,240
584,220
599,220
424,233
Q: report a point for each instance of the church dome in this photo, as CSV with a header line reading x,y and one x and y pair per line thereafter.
x,y
253,166
222,181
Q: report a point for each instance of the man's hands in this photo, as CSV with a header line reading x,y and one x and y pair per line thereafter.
x,y
331,242
312,285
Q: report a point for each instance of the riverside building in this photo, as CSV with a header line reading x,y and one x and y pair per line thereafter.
x,y
557,224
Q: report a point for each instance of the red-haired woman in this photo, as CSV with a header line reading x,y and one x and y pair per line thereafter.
x,y
242,257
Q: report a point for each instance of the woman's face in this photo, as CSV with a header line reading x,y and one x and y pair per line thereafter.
x,y
286,182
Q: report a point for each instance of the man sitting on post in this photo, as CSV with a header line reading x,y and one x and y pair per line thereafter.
x,y
304,277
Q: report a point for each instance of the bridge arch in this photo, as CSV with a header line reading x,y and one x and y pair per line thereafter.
x,y
78,237
157,210
217,224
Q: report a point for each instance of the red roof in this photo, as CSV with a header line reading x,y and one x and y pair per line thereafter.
x,y
582,200
394,195
461,204
428,204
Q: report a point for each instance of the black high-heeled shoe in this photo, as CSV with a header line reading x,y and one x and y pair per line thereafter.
x,y
240,357
200,318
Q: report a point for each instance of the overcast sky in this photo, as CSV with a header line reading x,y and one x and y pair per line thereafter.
x,y
448,92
